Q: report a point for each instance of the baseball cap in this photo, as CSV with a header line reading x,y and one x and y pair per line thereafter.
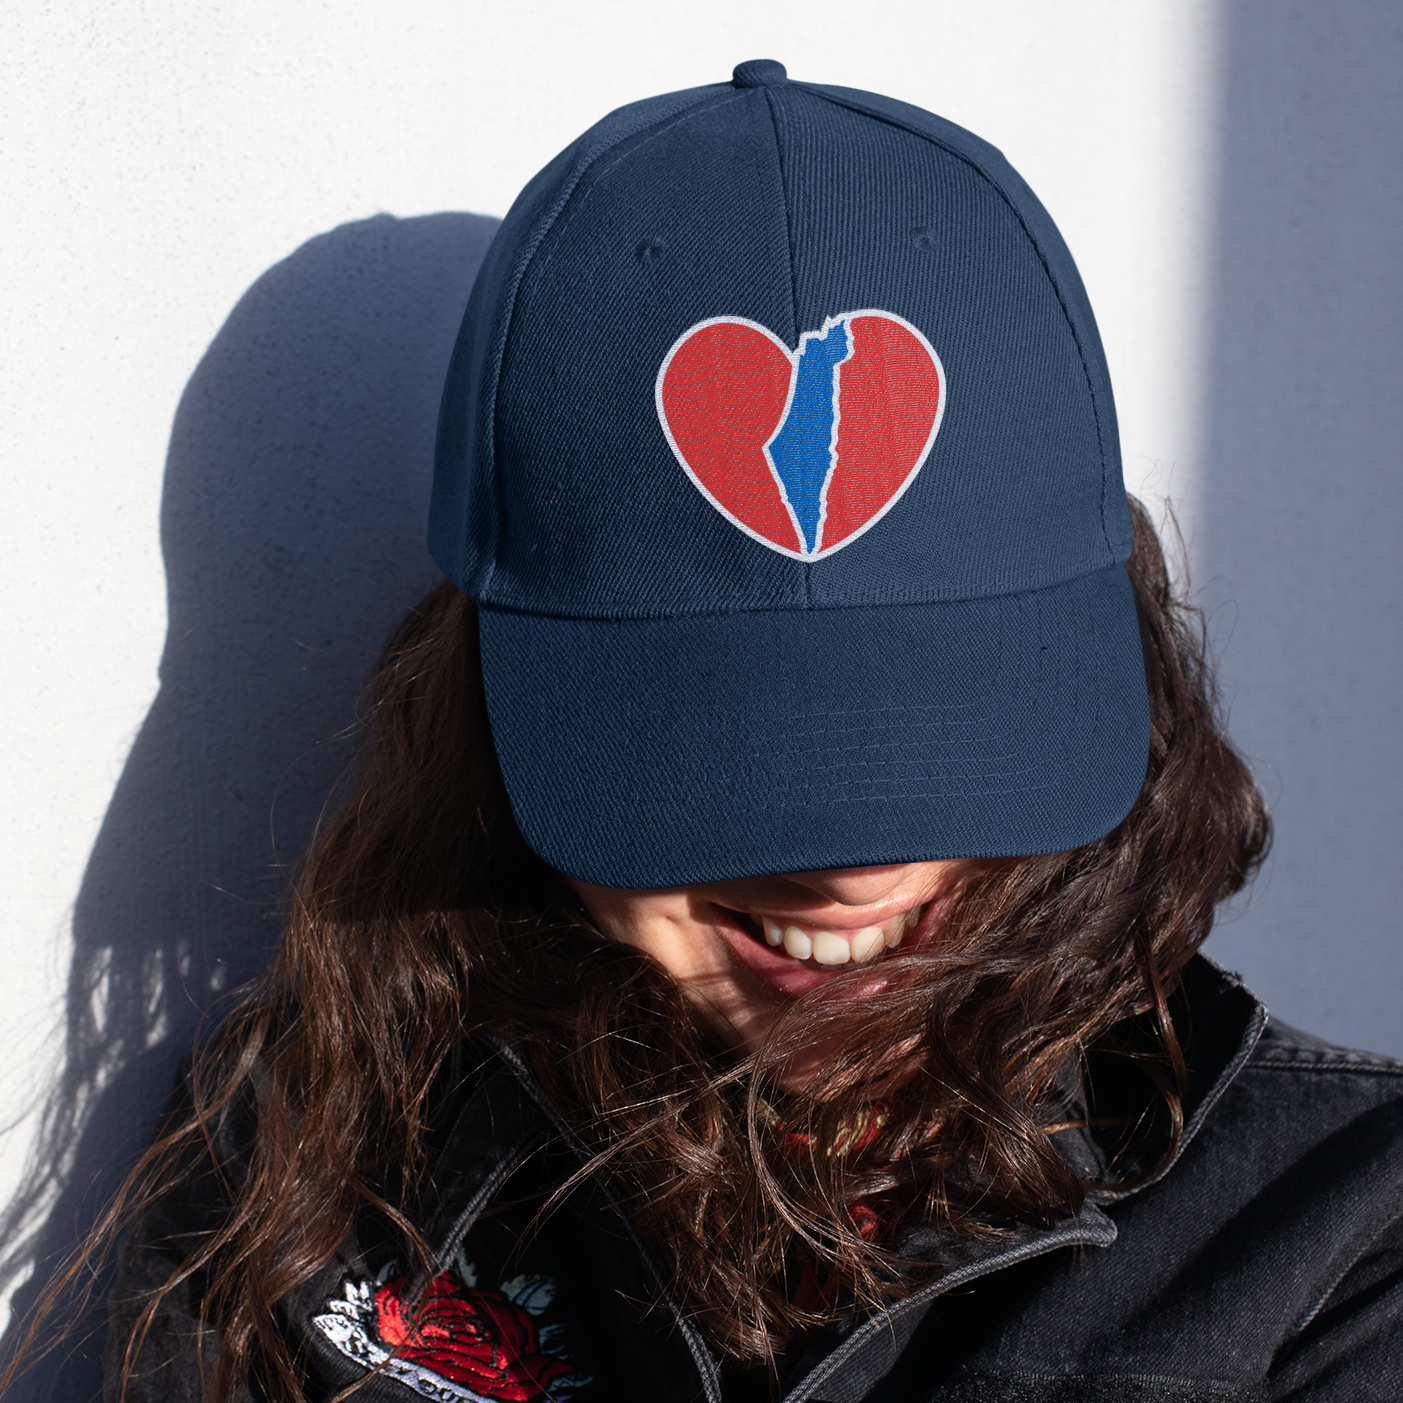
x,y
778,451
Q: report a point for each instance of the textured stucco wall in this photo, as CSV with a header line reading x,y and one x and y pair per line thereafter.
x,y
229,288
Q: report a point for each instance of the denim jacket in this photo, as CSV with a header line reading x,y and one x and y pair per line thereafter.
x,y
1264,1262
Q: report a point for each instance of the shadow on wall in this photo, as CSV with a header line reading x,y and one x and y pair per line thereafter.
x,y
1301,547
292,523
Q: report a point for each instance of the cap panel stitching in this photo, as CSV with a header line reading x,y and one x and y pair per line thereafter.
x,y
793,285
1032,238
788,221
556,609
669,124
507,307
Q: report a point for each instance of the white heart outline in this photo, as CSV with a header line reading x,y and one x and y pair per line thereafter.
x,y
793,358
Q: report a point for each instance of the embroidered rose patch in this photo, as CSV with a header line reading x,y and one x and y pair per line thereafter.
x,y
462,1343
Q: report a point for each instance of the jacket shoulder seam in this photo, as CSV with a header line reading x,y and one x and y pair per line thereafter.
x,y
1328,1294
1310,1059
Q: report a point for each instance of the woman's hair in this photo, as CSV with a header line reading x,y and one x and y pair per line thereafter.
x,y
420,916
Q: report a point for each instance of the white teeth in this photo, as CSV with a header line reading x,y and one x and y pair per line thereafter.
x,y
867,944
830,949
827,947
798,944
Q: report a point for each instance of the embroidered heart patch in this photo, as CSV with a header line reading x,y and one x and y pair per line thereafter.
x,y
802,450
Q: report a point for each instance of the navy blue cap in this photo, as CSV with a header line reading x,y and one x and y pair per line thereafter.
x,y
778,450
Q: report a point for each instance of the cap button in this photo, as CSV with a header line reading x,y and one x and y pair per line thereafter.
x,y
758,73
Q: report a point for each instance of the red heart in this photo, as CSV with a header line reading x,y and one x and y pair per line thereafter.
x,y
802,455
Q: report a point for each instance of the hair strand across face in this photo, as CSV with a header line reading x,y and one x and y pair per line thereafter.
x,y
421,916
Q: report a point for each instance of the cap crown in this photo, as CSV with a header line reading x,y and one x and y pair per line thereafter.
x,y
816,217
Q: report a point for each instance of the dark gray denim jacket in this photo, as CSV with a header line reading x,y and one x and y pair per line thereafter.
x,y
1265,1263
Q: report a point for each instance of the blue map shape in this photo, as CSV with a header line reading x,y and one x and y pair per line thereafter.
x,y
803,450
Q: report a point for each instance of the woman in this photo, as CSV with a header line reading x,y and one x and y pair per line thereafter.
x,y
758,956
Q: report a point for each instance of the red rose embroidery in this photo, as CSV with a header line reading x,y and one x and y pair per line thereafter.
x,y
477,1338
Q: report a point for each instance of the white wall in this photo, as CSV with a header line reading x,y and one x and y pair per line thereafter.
x,y
163,161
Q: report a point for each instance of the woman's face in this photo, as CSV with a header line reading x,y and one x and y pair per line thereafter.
x,y
744,950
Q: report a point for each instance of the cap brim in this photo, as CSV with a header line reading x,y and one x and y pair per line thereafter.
x,y
660,752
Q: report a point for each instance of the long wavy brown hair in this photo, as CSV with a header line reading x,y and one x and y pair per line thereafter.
x,y
420,917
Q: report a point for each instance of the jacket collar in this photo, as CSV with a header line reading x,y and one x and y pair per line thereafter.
x,y
506,1116
1218,1022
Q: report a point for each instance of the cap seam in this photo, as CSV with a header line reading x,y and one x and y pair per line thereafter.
x,y
788,608
507,311
563,218
1032,238
793,283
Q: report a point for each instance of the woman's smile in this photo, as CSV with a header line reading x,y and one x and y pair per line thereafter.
x,y
744,950
793,954
835,945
